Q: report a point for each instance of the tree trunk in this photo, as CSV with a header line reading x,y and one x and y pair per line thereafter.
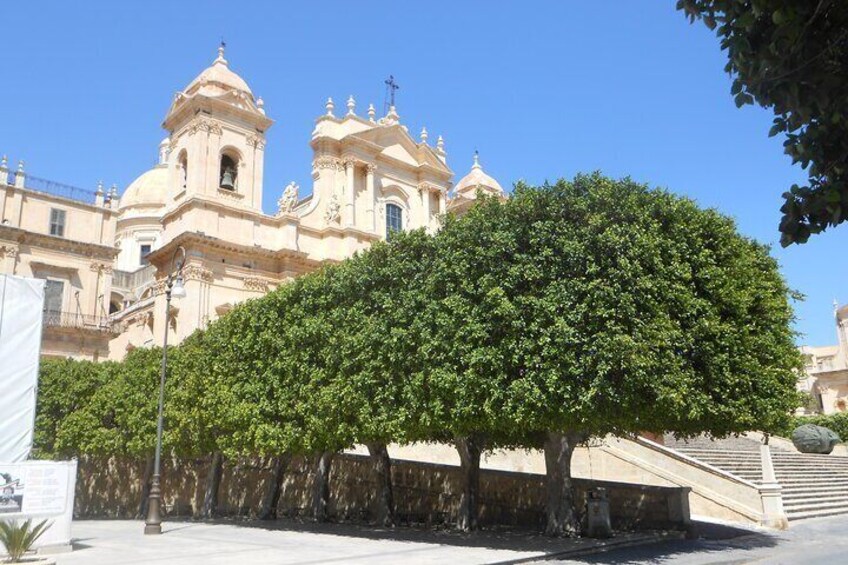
x,y
274,487
145,487
213,481
382,465
469,448
562,516
321,486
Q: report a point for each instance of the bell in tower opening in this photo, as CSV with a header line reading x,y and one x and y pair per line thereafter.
x,y
229,173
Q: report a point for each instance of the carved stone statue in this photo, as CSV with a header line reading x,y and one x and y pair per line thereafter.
x,y
814,439
288,200
333,214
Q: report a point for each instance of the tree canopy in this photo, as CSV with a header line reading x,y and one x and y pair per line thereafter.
x,y
577,309
792,56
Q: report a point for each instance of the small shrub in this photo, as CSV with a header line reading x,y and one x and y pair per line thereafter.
x,y
19,538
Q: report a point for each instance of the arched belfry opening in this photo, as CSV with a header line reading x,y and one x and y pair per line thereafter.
x,y
228,175
182,173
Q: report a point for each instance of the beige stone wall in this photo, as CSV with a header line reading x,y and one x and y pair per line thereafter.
x,y
424,493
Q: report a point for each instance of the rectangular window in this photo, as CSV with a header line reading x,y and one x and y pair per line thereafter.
x,y
53,291
57,222
394,219
145,250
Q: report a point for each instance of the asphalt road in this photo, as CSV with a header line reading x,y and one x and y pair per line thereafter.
x,y
809,542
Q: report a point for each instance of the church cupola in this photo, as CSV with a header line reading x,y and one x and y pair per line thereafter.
x,y
217,131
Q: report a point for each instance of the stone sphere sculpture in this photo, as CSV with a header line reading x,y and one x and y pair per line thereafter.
x,y
814,439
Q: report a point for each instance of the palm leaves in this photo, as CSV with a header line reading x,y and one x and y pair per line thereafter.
x,y
18,538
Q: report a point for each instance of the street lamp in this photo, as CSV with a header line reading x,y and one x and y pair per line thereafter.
x,y
173,288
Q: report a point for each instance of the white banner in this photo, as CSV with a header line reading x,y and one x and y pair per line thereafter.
x,y
21,311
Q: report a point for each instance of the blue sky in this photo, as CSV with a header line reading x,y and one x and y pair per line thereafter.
x,y
543,90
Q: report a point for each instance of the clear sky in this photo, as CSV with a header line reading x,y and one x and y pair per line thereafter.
x,y
543,90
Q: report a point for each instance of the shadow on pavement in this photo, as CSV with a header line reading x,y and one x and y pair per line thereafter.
x,y
707,542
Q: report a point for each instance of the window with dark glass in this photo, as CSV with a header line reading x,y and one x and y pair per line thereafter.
x,y
53,291
57,222
394,219
145,250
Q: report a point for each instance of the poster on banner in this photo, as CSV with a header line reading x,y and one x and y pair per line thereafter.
x,y
33,489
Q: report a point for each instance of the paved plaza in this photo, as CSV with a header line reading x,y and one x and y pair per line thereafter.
x,y
105,542
108,542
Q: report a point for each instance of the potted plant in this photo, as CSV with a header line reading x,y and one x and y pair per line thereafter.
x,y
18,538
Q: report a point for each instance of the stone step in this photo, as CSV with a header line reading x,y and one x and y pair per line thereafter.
x,y
812,489
806,500
815,506
806,514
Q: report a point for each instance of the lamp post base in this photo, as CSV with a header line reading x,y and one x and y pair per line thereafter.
x,y
153,523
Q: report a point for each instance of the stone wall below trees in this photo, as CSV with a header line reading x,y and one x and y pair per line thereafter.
x,y
424,493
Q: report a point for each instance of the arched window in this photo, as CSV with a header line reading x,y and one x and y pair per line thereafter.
x,y
394,219
229,172
183,172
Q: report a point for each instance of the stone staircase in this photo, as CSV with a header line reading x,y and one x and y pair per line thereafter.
x,y
813,485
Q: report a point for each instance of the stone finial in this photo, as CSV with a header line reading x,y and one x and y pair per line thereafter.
x,y
371,113
220,58
351,106
260,105
20,175
476,164
423,135
440,144
98,196
330,106
4,162
835,306
100,187
113,192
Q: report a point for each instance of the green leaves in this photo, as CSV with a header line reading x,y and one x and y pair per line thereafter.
x,y
17,539
792,56
594,304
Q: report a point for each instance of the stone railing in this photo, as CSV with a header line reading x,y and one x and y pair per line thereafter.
x,y
77,320
133,280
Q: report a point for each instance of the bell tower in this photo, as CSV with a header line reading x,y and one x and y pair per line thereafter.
x,y
217,132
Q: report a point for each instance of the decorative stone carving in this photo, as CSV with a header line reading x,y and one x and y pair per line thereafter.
x,y
288,200
370,168
256,283
8,250
206,125
256,141
328,163
334,210
814,439
197,273
101,268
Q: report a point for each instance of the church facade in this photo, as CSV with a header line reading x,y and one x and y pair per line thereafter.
x,y
202,202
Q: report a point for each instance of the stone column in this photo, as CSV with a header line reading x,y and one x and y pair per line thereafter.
x,y
425,206
369,196
350,192
442,197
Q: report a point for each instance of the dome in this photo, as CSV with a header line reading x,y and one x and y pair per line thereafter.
x,y
477,179
150,189
218,79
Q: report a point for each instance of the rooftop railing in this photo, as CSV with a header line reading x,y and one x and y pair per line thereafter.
x,y
53,188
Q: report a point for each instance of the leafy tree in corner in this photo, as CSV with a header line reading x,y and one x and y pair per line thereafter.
x,y
792,56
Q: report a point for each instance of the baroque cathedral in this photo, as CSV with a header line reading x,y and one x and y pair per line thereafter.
x,y
106,257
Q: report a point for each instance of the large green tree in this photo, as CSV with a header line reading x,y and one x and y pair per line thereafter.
x,y
791,56
603,307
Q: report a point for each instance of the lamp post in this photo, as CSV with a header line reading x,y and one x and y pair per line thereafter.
x,y
173,288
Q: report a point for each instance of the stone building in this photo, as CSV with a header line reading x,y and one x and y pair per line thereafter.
x,y
204,195
826,369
